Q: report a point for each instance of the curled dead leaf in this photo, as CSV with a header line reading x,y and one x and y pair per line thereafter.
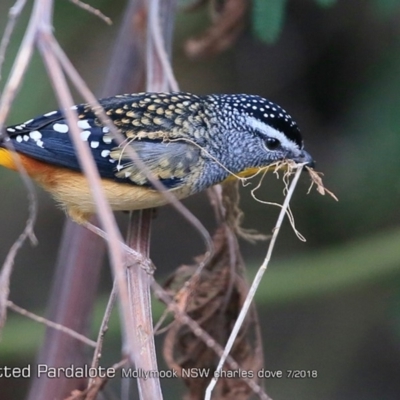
x,y
229,20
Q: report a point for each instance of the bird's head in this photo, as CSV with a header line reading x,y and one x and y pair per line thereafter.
x,y
251,132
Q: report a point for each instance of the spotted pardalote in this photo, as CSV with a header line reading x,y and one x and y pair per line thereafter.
x,y
187,142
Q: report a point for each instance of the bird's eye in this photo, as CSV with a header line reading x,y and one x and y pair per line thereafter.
x,y
272,143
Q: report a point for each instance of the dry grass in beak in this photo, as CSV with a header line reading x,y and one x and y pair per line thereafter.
x,y
288,168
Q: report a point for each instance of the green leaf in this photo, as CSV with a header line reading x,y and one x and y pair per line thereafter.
x,y
267,19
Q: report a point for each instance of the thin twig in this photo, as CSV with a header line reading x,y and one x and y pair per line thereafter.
x,y
159,50
20,64
103,329
13,83
92,392
254,286
8,264
51,324
92,10
141,262
7,268
13,15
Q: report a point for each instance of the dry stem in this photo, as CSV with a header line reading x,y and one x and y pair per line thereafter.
x,y
51,324
254,285
18,71
92,10
103,329
158,75
13,14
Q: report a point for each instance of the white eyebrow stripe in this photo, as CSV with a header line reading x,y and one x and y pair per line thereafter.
x,y
272,132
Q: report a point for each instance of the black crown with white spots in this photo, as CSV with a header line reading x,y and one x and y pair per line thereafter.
x,y
233,105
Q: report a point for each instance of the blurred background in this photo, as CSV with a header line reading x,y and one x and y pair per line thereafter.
x,y
331,304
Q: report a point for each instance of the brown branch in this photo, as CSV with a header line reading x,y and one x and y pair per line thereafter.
x,y
13,84
13,14
160,76
50,324
77,266
103,329
138,237
92,10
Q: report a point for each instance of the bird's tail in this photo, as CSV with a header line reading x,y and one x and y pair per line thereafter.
x,y
6,159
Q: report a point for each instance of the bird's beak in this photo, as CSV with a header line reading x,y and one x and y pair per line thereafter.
x,y
305,158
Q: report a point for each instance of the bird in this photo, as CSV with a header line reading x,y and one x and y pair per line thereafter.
x,y
187,142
